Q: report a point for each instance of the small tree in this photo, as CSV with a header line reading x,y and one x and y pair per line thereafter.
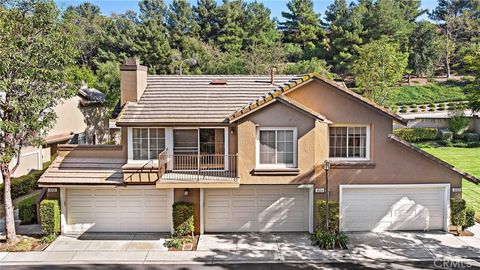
x,y
380,66
35,50
472,65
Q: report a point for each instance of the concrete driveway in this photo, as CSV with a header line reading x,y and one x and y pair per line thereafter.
x,y
412,246
110,242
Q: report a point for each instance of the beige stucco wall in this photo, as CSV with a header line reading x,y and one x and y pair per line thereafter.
x,y
392,163
132,84
72,117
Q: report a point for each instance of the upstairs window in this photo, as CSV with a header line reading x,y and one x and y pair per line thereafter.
x,y
276,147
148,143
349,142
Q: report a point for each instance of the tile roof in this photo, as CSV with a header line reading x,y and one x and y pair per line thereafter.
x,y
271,96
86,171
193,99
410,146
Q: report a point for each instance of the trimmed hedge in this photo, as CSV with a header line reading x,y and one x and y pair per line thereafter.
x,y
183,219
23,185
50,216
471,137
416,134
27,210
469,217
333,215
445,135
458,213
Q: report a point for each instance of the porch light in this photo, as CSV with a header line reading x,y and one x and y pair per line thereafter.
x,y
186,192
326,165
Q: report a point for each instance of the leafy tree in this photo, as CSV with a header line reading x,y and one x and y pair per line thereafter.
x,y
119,41
81,75
35,51
152,45
259,59
380,66
206,17
108,81
302,24
425,49
460,24
88,26
308,66
181,23
472,66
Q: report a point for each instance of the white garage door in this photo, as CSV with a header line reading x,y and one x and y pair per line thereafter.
x,y
256,208
132,209
393,207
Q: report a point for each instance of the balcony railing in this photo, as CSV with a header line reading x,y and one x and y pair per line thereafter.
x,y
191,167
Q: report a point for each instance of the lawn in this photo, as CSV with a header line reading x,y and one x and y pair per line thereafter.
x,y
468,160
429,93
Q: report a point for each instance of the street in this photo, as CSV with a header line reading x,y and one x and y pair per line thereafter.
x,y
460,264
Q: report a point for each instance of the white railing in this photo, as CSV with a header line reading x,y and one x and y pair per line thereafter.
x,y
197,167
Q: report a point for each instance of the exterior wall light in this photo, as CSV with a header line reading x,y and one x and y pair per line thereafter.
x,y
186,192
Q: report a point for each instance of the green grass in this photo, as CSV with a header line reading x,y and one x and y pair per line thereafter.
x,y
429,93
468,160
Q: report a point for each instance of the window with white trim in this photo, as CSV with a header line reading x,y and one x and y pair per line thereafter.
x,y
147,143
276,147
349,142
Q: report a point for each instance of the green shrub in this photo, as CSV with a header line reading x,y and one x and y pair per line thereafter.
x,y
403,109
413,106
458,124
416,134
441,107
177,242
333,215
23,185
469,217
423,107
472,137
50,216
27,210
183,218
445,135
458,214
446,143
329,240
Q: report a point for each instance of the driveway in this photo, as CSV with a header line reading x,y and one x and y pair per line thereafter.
x,y
412,246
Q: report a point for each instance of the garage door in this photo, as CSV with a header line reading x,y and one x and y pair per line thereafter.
x,y
393,207
256,208
136,209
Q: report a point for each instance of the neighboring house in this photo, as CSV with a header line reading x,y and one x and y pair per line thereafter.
x,y
438,120
248,151
82,116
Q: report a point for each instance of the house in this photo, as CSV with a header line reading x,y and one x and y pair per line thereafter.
x,y
439,120
248,151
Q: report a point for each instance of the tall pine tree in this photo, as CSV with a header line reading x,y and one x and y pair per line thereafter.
x,y
153,45
302,25
181,23
206,18
231,33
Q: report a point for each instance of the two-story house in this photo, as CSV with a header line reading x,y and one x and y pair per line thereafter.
x,y
248,151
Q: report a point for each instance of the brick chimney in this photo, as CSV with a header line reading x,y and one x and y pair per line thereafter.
x,y
133,80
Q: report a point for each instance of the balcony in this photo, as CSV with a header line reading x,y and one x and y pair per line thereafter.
x,y
202,170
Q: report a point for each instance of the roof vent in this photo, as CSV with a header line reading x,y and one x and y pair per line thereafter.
x,y
218,82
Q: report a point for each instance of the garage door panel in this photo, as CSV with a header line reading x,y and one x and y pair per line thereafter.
x,y
401,208
140,209
257,208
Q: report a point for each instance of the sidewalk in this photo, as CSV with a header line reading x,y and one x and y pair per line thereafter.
x,y
163,257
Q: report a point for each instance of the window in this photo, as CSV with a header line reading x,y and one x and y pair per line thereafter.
x,y
147,143
276,147
349,142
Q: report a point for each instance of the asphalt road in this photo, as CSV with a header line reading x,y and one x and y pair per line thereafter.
x,y
275,266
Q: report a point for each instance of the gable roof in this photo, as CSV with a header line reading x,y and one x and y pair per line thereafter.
x,y
410,146
267,99
194,99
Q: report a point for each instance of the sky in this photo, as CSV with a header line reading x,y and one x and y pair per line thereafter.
x,y
276,6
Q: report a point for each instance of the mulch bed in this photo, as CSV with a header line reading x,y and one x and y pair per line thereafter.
x,y
25,243
189,246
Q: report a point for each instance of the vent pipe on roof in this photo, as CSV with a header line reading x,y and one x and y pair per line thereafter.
x,y
272,75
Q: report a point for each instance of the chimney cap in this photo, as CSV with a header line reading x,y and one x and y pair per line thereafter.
x,y
135,61
132,63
